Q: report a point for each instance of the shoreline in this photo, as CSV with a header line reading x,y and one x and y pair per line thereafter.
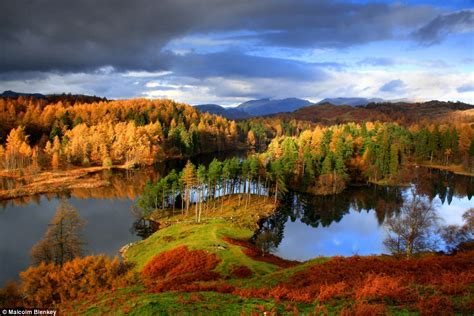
x,y
49,181
456,169
56,181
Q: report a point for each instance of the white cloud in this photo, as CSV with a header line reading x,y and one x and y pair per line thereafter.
x,y
146,74
419,85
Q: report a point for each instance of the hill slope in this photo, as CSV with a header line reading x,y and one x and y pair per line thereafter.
x,y
399,112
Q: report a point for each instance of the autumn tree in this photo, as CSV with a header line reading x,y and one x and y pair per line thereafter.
x,y
51,284
251,139
412,230
189,181
62,241
55,153
17,152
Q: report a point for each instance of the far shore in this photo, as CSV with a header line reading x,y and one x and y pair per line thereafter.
x,y
52,181
456,169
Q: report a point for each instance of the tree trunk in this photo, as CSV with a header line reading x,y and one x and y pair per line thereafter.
x,y
163,201
196,207
276,191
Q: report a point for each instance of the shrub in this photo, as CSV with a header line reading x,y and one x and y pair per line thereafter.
x,y
435,305
382,287
176,268
330,291
47,284
455,283
241,272
378,278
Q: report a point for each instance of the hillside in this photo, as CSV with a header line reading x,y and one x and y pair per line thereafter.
x,y
407,113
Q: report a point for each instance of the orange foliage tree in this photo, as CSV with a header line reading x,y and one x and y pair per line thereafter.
x,y
50,284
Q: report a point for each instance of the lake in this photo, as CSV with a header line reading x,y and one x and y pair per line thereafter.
x,y
307,225
351,223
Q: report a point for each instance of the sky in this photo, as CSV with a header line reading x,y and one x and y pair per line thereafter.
x,y
227,52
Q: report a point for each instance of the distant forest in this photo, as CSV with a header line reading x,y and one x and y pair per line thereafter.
x,y
38,135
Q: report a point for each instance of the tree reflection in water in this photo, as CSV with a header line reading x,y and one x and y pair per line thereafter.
x,y
143,228
384,201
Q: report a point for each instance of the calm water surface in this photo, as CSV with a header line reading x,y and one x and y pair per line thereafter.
x,y
350,223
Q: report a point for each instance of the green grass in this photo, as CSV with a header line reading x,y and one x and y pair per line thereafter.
x,y
135,301
206,236
209,303
175,303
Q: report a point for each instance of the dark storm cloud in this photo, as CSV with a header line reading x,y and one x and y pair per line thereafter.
x,y
237,64
328,23
84,35
443,25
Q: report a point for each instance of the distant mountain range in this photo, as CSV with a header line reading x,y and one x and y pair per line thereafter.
x,y
337,110
255,107
271,106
